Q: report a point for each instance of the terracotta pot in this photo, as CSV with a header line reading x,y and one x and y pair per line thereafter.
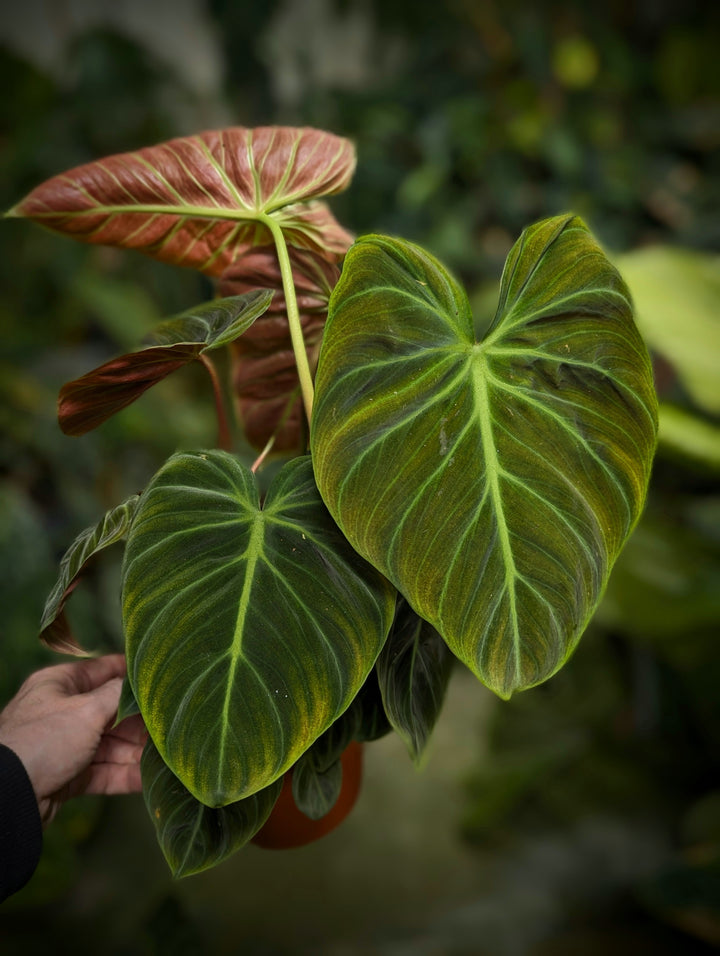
x,y
287,827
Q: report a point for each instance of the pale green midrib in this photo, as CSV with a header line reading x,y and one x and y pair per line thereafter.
x,y
492,470
254,550
198,212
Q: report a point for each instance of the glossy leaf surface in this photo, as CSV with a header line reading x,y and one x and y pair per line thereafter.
x,y
54,628
494,482
90,400
197,200
413,672
194,837
249,628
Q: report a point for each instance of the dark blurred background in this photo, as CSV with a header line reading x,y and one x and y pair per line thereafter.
x,y
580,817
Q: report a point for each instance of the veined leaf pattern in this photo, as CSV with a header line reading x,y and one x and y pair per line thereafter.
x,y
249,629
198,200
194,837
494,482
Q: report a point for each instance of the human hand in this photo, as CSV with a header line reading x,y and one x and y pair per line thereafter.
x,y
60,726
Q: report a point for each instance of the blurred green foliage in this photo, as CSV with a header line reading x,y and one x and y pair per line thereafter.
x,y
472,118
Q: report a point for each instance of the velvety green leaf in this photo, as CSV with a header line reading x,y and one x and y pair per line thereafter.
x,y
677,298
197,201
54,627
373,723
413,672
194,837
316,791
211,325
250,628
494,482
90,400
317,776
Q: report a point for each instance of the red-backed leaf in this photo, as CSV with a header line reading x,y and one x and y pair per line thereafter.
x,y
197,200
54,628
90,400
264,374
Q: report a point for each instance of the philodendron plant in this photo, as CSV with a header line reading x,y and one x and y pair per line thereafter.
x,y
446,496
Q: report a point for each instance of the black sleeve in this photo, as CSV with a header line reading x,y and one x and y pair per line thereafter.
x,y
20,825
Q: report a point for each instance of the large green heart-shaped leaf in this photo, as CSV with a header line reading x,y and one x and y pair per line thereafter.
x,y
198,200
249,628
194,837
492,482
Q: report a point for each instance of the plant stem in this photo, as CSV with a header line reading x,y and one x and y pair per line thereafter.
x,y
293,315
263,454
224,440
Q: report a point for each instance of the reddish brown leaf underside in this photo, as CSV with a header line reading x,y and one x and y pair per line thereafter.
x,y
264,374
194,201
90,400
58,635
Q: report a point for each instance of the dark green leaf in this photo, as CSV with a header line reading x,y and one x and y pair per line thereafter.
x,y
54,627
413,672
373,723
127,706
194,837
494,482
249,628
90,400
316,791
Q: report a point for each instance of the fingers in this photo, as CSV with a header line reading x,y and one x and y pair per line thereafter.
x,y
79,677
83,677
112,778
131,729
103,702
114,749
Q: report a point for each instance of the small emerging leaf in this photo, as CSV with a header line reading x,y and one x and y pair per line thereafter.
x,y
413,672
493,482
54,627
194,837
90,400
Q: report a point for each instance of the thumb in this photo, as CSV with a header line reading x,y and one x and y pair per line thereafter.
x,y
104,700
